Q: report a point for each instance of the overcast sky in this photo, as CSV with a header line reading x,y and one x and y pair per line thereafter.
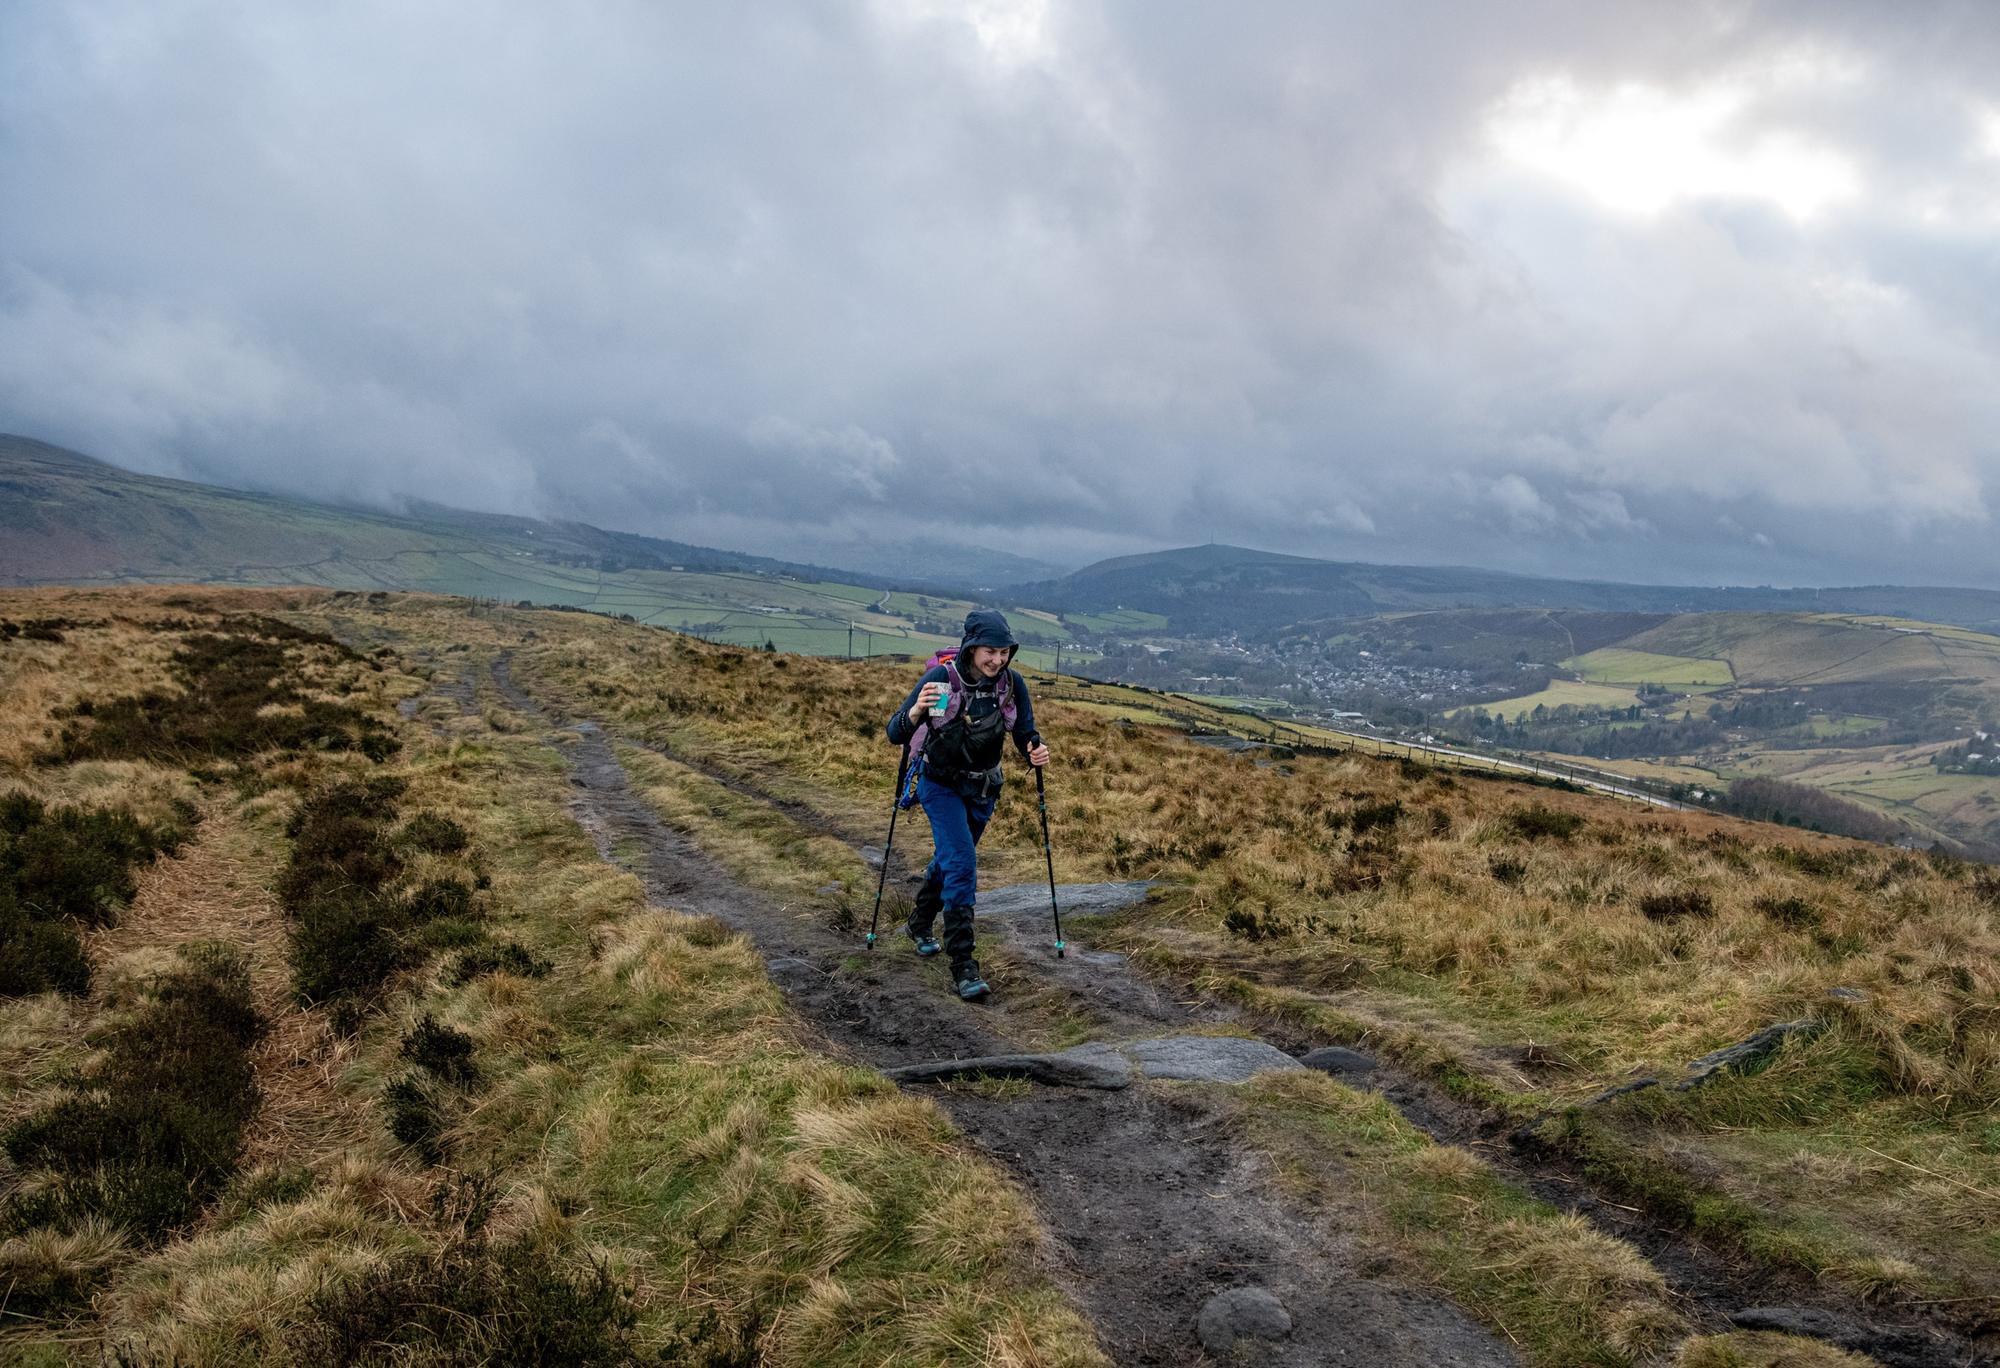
x,y
1686,292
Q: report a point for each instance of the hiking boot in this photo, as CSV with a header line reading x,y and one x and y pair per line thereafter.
x,y
926,944
966,978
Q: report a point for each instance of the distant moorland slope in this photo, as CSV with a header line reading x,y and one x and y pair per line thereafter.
x,y
1202,590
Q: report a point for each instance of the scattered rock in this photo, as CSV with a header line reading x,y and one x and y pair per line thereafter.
x,y
1241,1313
827,889
1338,1061
1847,995
1032,900
1744,1052
1214,1059
872,856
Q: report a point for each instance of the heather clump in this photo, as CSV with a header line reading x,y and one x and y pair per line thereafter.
x,y
151,1131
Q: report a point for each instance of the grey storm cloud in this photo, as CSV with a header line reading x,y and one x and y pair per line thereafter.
x,y
1687,292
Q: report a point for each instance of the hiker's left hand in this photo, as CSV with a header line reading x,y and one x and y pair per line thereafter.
x,y
1038,755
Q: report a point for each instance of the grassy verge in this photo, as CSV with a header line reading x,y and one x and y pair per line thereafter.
x,y
1562,1292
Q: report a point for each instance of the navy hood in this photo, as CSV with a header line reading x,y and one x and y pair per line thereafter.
x,y
986,627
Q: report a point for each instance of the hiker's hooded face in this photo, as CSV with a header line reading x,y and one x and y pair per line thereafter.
x,y
990,660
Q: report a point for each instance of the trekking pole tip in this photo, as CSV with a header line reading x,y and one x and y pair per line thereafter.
x,y
871,940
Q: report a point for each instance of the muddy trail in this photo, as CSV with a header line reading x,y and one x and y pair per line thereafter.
x,y
1155,1210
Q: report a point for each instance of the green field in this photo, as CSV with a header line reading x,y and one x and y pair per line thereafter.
x,y
1119,620
1560,693
1827,726
1615,665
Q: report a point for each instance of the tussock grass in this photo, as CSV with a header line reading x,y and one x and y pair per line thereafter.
x,y
652,1123
471,1300
1562,1291
1762,1349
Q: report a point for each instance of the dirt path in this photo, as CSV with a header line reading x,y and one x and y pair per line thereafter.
x,y
217,887
1153,1207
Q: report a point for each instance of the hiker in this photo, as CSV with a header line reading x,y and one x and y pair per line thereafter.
x,y
956,776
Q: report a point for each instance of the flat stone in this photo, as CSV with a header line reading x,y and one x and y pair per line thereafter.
x,y
1032,900
1241,1313
1213,1059
1084,1066
1751,1050
1338,1060
1808,1321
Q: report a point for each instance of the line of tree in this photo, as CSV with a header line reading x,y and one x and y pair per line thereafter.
x,y
1774,800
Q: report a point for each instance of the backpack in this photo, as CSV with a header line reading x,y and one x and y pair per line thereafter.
x,y
1003,692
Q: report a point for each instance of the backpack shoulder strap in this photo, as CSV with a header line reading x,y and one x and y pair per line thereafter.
x,y
1010,710
954,703
956,683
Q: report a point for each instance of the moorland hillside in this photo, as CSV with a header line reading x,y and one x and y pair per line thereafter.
x,y
397,975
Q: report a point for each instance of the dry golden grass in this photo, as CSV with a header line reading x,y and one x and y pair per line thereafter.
x,y
1561,951
597,1078
1762,1349
1346,891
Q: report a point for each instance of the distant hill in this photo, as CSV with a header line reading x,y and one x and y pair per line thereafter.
x,y
70,518
1207,590
67,518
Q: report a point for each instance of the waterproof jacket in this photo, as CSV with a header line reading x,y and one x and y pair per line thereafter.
x,y
947,760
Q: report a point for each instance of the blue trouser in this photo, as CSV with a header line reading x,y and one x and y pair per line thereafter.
x,y
952,881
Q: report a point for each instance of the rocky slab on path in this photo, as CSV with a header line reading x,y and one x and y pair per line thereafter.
x,y
1214,1059
1080,899
1339,1061
1241,1313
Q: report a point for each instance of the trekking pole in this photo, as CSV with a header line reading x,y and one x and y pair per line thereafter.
x,y
1042,797
902,771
